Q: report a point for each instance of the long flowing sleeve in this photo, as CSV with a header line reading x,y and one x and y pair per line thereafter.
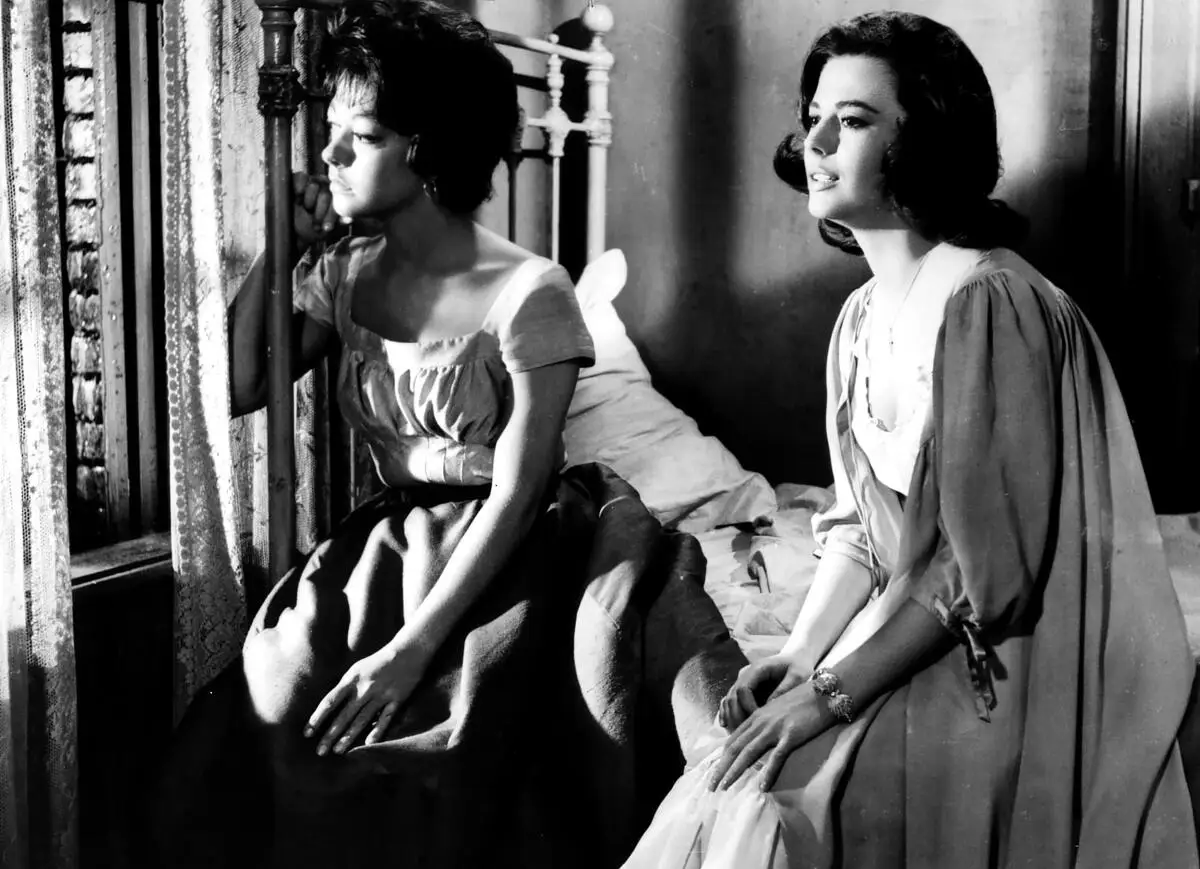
x,y
989,470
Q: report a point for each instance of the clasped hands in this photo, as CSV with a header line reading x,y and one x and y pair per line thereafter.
x,y
770,711
368,696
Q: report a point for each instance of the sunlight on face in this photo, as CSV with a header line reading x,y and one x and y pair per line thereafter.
x,y
368,172
853,119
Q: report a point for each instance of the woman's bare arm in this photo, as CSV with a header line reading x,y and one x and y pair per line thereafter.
x,y
247,312
840,589
525,463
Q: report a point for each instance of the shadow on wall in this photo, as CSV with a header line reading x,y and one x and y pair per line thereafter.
x,y
1086,184
1145,311
746,360
1155,313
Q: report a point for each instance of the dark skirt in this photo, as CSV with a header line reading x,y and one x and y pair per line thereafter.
x,y
543,734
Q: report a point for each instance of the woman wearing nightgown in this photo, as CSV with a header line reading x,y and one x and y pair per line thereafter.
x,y
420,688
991,667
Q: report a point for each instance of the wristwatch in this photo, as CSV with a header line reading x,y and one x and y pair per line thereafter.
x,y
829,685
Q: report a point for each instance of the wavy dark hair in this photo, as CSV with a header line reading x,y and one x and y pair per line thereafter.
x,y
940,171
435,74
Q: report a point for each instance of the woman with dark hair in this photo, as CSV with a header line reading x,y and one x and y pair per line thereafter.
x,y
422,687
990,668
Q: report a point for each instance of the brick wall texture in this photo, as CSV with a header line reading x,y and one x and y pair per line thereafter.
x,y
88,519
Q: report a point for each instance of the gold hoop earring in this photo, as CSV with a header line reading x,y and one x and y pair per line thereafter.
x,y
411,156
431,188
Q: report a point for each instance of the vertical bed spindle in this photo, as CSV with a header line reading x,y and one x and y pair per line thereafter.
x,y
598,19
279,95
558,125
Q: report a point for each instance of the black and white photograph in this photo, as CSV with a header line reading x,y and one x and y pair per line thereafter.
x,y
564,434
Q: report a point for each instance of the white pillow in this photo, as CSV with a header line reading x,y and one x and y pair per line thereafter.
x,y
688,481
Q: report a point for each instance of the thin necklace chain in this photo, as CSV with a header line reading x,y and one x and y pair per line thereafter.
x,y
891,329
891,338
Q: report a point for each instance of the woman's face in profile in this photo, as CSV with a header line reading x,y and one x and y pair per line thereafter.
x,y
853,118
368,173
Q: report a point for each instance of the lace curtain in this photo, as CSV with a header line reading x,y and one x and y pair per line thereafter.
x,y
38,818
214,228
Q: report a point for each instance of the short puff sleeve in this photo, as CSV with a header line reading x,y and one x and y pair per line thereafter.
x,y
540,323
315,291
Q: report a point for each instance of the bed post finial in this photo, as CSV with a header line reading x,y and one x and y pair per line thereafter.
x,y
598,19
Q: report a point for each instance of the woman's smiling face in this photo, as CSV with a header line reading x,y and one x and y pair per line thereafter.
x,y
853,119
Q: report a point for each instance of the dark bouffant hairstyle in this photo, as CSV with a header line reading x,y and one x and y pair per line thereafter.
x,y
942,168
436,74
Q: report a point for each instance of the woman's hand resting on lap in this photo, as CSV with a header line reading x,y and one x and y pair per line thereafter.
x,y
371,692
756,684
781,725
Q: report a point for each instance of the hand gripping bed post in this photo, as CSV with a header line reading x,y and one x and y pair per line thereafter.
x,y
280,95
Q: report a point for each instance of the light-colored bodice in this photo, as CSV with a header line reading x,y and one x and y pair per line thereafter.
x,y
432,411
892,449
